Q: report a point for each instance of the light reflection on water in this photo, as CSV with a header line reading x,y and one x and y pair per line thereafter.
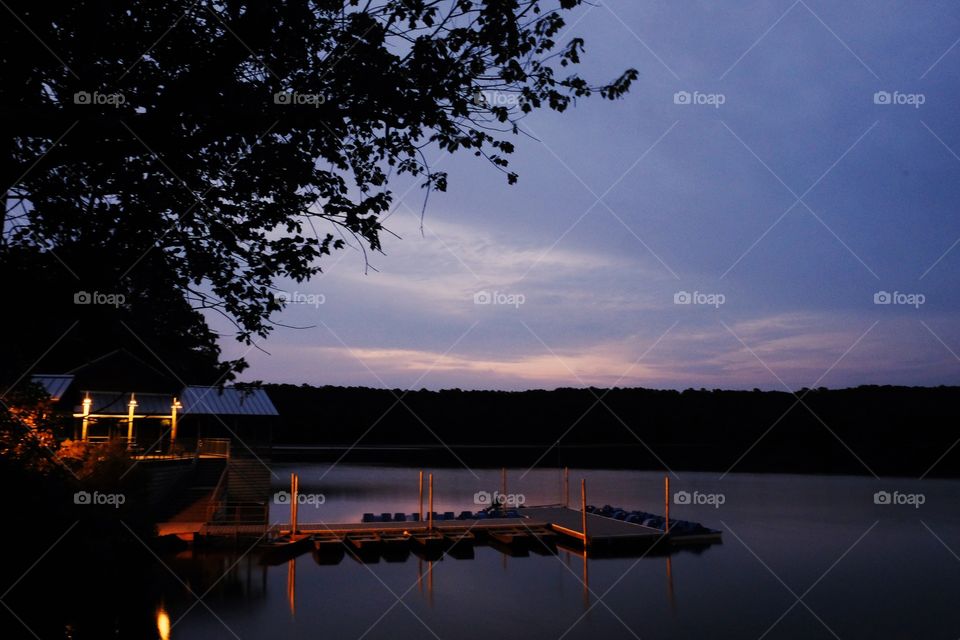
x,y
871,570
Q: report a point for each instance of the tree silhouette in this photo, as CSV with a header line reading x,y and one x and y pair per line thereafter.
x,y
222,145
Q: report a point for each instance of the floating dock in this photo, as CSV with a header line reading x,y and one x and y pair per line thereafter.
x,y
539,526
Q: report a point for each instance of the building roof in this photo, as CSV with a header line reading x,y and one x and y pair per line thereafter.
x,y
227,401
54,385
116,403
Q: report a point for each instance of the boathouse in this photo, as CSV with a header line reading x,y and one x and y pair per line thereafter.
x,y
120,397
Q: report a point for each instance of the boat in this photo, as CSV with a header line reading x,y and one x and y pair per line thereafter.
x,y
395,545
327,542
328,548
428,539
460,538
460,544
544,541
510,536
364,547
284,547
364,542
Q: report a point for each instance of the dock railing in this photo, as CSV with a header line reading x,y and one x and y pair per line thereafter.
x,y
215,506
214,447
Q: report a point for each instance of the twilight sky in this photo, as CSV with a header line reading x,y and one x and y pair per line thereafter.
x,y
785,209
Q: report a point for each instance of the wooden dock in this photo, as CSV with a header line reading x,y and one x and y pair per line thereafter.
x,y
540,528
543,525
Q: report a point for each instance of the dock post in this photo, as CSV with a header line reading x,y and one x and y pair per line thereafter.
x,y
503,487
421,496
430,515
583,509
294,501
666,504
566,486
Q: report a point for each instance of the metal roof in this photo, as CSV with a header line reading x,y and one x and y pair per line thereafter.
x,y
55,385
227,401
116,403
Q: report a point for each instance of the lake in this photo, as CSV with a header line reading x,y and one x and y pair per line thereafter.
x,y
802,557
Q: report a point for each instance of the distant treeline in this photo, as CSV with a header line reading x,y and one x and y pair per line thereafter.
x,y
881,429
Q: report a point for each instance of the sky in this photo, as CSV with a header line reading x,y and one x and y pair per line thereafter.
x,y
774,205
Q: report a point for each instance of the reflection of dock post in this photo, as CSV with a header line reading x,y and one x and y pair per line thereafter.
x,y
666,504
430,514
586,580
583,509
292,585
430,582
566,486
670,597
421,496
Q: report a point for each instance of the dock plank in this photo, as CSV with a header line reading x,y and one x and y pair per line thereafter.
x,y
599,528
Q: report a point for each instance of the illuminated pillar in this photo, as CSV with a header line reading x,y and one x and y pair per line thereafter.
x,y
86,416
130,409
173,421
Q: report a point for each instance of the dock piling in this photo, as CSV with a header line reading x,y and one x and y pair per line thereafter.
x,y
583,508
566,486
503,484
666,504
430,516
421,496
294,502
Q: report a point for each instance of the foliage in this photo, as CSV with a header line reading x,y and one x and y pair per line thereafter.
x,y
215,146
27,429
96,463
150,319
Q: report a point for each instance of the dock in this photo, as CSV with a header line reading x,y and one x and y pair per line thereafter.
x,y
537,525
540,528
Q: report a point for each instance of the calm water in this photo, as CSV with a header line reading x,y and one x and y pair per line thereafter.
x,y
782,534
862,570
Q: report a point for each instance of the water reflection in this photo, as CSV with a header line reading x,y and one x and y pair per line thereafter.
x,y
292,586
163,623
798,526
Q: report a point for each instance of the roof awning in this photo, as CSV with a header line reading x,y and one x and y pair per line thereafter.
x,y
227,401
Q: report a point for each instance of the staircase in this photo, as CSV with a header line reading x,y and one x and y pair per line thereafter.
x,y
187,511
247,491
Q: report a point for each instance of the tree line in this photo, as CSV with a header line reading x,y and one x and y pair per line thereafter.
x,y
864,430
